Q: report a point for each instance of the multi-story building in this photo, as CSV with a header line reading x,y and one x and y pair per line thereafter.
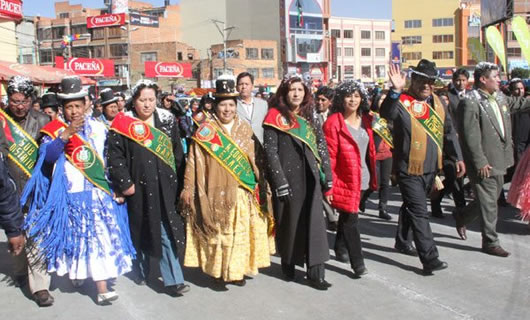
x,y
361,48
8,41
513,47
426,30
26,41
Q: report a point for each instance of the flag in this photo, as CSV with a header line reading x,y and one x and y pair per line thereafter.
x,y
300,20
497,44
520,29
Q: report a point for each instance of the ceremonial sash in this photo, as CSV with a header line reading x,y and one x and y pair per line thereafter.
x,y
425,121
380,126
81,155
23,150
147,136
200,117
300,130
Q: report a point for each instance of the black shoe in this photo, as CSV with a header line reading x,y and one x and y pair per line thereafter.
x,y
178,289
332,226
408,250
342,256
43,298
362,205
319,284
384,215
20,281
239,283
140,281
435,265
288,272
436,210
360,271
502,203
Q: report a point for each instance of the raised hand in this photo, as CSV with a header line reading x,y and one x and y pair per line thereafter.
x,y
397,78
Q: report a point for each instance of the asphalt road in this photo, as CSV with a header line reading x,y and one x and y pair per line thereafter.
x,y
475,286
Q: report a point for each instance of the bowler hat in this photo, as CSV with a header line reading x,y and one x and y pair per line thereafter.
x,y
425,68
106,96
71,89
225,87
49,99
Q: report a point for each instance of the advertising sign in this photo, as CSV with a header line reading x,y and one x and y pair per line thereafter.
x,y
143,20
106,20
89,67
396,53
11,9
155,69
120,6
494,11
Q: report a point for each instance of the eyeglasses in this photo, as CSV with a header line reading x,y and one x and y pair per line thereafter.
x,y
19,103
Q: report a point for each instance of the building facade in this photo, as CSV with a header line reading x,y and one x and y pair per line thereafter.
x,y
361,48
8,41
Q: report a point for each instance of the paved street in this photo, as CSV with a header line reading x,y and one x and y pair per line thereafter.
x,y
476,286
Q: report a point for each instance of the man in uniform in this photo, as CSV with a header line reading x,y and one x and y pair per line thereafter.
x,y
422,128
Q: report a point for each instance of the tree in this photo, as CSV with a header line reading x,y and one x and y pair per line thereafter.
x,y
521,73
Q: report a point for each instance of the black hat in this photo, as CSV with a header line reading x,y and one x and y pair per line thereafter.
x,y
71,89
49,99
225,87
107,97
425,68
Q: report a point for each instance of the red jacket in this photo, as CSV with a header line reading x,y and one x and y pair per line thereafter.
x,y
345,160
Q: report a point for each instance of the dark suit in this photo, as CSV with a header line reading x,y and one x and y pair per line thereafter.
x,y
414,188
484,142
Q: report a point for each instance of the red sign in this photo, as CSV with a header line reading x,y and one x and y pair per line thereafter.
x,y
106,20
155,69
11,9
88,67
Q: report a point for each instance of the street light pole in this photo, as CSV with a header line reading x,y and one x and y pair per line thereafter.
x,y
225,33
129,52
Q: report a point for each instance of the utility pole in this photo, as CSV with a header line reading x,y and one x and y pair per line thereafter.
x,y
225,33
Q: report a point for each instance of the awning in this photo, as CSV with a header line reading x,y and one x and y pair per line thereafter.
x,y
37,74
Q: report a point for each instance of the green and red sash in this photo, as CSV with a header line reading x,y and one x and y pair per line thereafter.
x,y
81,155
23,150
200,117
147,136
300,130
380,126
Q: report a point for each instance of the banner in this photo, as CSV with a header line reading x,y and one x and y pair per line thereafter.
x,y
155,69
497,44
106,20
11,9
143,20
88,67
520,29
120,6
396,54
476,49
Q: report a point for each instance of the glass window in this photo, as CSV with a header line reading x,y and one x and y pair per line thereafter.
x,y
179,56
98,33
148,56
27,59
348,52
348,70
366,71
366,34
64,15
438,55
442,22
366,52
44,34
267,72
411,56
411,40
118,50
81,52
380,71
379,35
254,72
442,38
412,24
98,51
335,33
46,56
116,32
513,52
79,29
379,52
252,53
348,34
58,32
267,54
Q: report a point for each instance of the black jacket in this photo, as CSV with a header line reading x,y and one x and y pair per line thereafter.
x,y
11,218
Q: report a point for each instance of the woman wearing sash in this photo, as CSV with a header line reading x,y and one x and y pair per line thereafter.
x,y
352,153
299,170
228,229
75,218
144,160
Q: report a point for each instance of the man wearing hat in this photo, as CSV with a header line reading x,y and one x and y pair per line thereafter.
x,y
109,103
22,125
50,105
422,128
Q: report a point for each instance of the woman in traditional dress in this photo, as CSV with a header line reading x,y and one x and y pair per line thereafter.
x,y
144,160
110,107
299,171
519,194
75,217
351,148
228,231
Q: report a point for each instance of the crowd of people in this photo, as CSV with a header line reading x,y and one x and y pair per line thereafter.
x,y
97,189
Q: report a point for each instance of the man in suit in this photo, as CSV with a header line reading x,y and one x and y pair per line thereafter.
x,y
251,109
422,128
486,138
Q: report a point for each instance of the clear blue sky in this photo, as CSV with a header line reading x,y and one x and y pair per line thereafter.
x,y
377,9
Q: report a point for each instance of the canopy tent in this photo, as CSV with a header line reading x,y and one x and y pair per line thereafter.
x,y
38,74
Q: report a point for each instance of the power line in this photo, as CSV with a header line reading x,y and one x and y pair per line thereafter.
x,y
20,32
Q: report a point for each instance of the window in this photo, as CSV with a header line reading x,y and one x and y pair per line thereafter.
x,y
64,15
513,52
58,32
380,71
148,56
442,38
511,36
80,29
115,32
366,52
46,56
348,34
27,59
118,50
120,70
252,53
44,34
366,34
411,56
81,52
254,72
98,33
348,72
267,72
438,55
98,51
348,52
442,22
411,40
267,54
179,56
379,35
366,71
219,72
412,24
335,33
379,52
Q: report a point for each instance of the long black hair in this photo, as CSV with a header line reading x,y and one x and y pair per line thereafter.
x,y
345,89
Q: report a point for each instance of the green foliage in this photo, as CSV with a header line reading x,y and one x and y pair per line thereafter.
x,y
520,73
